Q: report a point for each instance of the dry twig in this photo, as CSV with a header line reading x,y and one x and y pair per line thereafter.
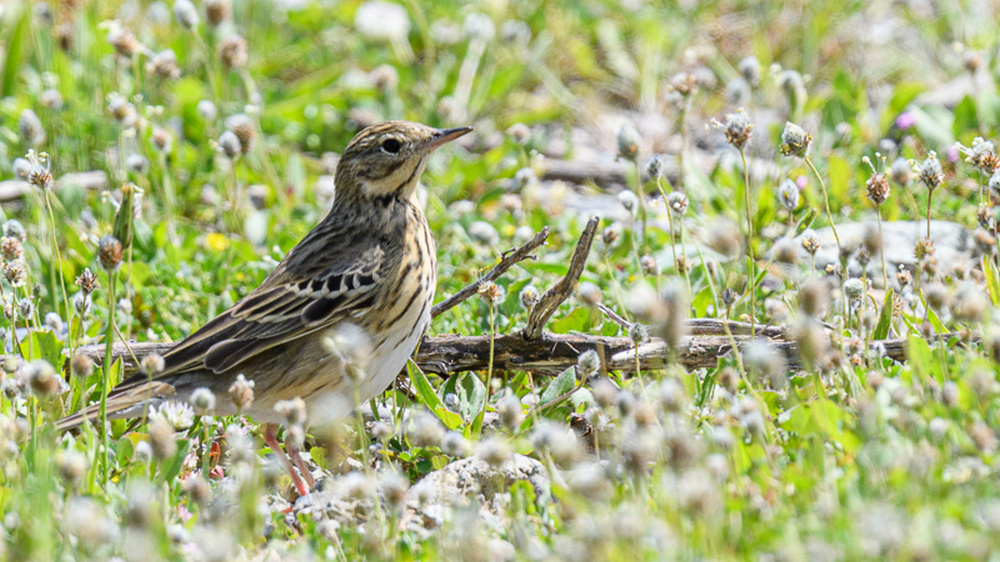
x,y
550,301
507,260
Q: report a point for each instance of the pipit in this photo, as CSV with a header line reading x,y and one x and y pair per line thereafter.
x,y
371,263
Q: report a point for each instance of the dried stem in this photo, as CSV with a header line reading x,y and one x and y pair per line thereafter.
x,y
507,260
552,298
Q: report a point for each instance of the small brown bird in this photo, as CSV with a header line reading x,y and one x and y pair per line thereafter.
x,y
371,262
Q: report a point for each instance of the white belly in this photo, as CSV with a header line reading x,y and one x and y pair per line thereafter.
x,y
388,359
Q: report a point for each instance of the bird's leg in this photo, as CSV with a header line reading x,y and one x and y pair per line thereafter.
x,y
272,442
293,453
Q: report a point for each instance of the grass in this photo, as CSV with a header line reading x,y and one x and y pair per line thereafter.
x,y
856,456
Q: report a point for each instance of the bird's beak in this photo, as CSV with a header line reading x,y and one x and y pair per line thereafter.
x,y
442,136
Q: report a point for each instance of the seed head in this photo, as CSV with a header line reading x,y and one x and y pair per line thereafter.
x,y
749,69
163,65
901,171
43,378
628,142
229,145
930,172
654,168
649,265
87,281
124,41
186,14
490,292
638,333
10,248
810,242
788,195
153,364
241,392
82,365
137,163
675,305
589,293
161,438
981,155
21,168
233,51
795,140
203,400
110,253
968,304
684,83
294,411
31,128
15,272
493,450
385,77
511,412
878,188
454,444
529,297
628,199
162,140
854,289
519,132
737,129
207,110
677,202
216,11
25,307
243,127
425,429
588,364
484,233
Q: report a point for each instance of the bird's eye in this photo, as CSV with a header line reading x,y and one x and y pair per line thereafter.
x,y
391,146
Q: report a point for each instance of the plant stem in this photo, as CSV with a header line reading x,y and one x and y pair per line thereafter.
x,y
58,256
930,194
642,201
881,250
752,276
106,367
826,198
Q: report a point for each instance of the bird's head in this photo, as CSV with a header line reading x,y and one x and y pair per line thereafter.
x,y
383,162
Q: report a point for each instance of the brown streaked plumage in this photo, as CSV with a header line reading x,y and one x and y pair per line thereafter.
x,y
371,262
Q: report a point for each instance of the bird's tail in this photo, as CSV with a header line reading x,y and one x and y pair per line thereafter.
x,y
121,403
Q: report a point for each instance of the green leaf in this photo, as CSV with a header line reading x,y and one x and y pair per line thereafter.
x,y
806,221
172,467
575,321
885,318
992,282
429,398
13,60
559,386
920,357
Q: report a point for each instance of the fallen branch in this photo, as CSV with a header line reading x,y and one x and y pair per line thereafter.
x,y
507,260
553,353
550,301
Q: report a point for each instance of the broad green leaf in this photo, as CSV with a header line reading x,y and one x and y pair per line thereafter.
x,y
429,398
992,282
559,386
885,318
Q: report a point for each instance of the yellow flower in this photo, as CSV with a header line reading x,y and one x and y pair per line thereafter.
x,y
508,230
217,242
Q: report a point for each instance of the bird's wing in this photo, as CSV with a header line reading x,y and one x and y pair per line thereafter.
x,y
288,305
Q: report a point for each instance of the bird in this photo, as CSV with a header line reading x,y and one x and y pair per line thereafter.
x,y
370,263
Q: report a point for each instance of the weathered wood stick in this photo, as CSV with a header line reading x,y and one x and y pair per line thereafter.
x,y
548,354
550,301
507,260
